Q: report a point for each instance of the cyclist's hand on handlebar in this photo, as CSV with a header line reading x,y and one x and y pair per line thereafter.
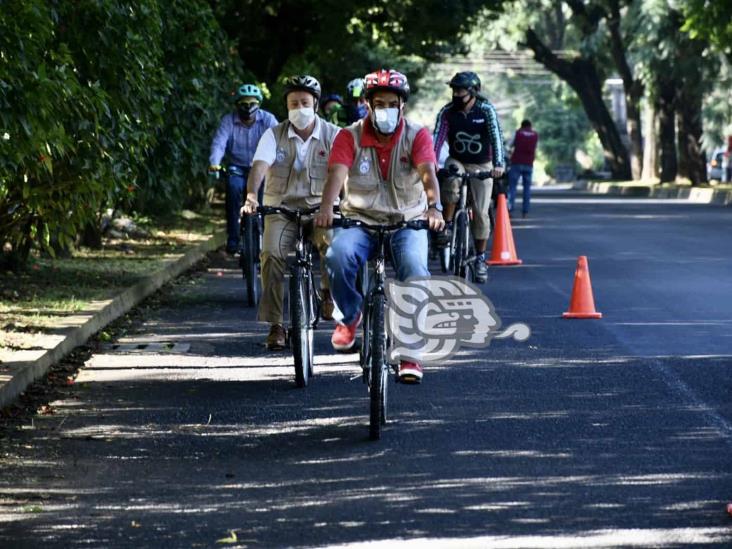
x,y
324,218
214,171
498,171
250,205
435,220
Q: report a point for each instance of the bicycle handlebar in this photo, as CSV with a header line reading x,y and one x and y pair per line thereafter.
x,y
465,175
347,223
289,212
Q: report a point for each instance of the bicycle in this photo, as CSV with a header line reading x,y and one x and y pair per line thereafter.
x,y
304,300
373,352
250,241
458,256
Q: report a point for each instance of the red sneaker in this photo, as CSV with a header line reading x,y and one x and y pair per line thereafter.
x,y
410,372
344,336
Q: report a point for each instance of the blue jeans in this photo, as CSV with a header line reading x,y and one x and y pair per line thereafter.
x,y
351,248
523,172
236,183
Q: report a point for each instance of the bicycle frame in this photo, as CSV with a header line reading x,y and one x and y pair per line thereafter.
x,y
375,287
461,217
302,256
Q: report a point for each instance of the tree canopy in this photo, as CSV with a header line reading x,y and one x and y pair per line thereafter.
x,y
112,103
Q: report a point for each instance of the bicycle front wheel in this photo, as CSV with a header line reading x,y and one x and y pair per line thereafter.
x,y
461,240
379,370
301,331
249,256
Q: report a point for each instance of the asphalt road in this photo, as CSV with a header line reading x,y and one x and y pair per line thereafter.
x,y
596,433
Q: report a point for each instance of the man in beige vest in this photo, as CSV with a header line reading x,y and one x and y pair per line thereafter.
x,y
294,158
387,164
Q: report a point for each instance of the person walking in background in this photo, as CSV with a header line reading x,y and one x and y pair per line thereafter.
x,y
236,139
522,165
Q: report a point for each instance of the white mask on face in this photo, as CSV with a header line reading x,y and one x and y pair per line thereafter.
x,y
301,118
386,120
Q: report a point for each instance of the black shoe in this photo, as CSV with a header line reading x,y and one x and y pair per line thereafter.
x,y
231,251
481,269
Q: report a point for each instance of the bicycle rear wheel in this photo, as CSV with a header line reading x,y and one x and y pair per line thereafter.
x,y
249,256
378,373
301,326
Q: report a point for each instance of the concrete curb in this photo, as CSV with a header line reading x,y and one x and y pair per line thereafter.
x,y
23,373
705,195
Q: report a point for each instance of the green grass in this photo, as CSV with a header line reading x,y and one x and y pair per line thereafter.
x,y
33,300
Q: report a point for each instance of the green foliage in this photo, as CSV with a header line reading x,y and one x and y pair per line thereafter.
x,y
711,21
101,102
200,64
556,114
336,41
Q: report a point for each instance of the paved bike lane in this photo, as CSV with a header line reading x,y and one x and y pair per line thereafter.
x,y
591,433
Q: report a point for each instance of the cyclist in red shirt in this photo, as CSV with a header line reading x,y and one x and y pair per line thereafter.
x,y
387,165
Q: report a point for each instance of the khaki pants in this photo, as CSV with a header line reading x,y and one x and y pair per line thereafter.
x,y
279,239
480,195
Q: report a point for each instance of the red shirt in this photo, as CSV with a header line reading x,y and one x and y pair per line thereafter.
x,y
524,147
344,150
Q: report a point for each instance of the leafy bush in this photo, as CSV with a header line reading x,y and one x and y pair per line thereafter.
x,y
200,65
103,103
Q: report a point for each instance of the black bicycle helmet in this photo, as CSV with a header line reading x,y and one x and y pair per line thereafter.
x,y
467,80
303,82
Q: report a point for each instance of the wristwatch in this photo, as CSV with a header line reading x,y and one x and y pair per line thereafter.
x,y
437,206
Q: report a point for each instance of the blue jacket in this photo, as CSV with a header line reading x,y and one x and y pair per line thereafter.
x,y
238,141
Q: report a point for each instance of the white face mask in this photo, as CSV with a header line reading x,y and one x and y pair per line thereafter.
x,y
301,118
386,120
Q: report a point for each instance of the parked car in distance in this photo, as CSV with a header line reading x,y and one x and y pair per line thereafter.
x,y
717,164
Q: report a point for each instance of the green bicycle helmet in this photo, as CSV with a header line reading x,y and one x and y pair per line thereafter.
x,y
249,90
354,89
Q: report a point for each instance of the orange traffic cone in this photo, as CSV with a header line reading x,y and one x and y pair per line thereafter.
x,y
504,250
582,304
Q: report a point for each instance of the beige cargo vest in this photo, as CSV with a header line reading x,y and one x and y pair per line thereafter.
x,y
286,186
370,198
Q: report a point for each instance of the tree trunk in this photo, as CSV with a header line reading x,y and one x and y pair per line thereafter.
x,y
91,236
650,148
633,91
692,160
666,110
634,133
581,74
690,95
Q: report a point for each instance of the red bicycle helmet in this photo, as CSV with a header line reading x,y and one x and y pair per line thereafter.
x,y
386,80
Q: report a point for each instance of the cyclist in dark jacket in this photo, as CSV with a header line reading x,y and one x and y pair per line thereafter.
x,y
470,125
